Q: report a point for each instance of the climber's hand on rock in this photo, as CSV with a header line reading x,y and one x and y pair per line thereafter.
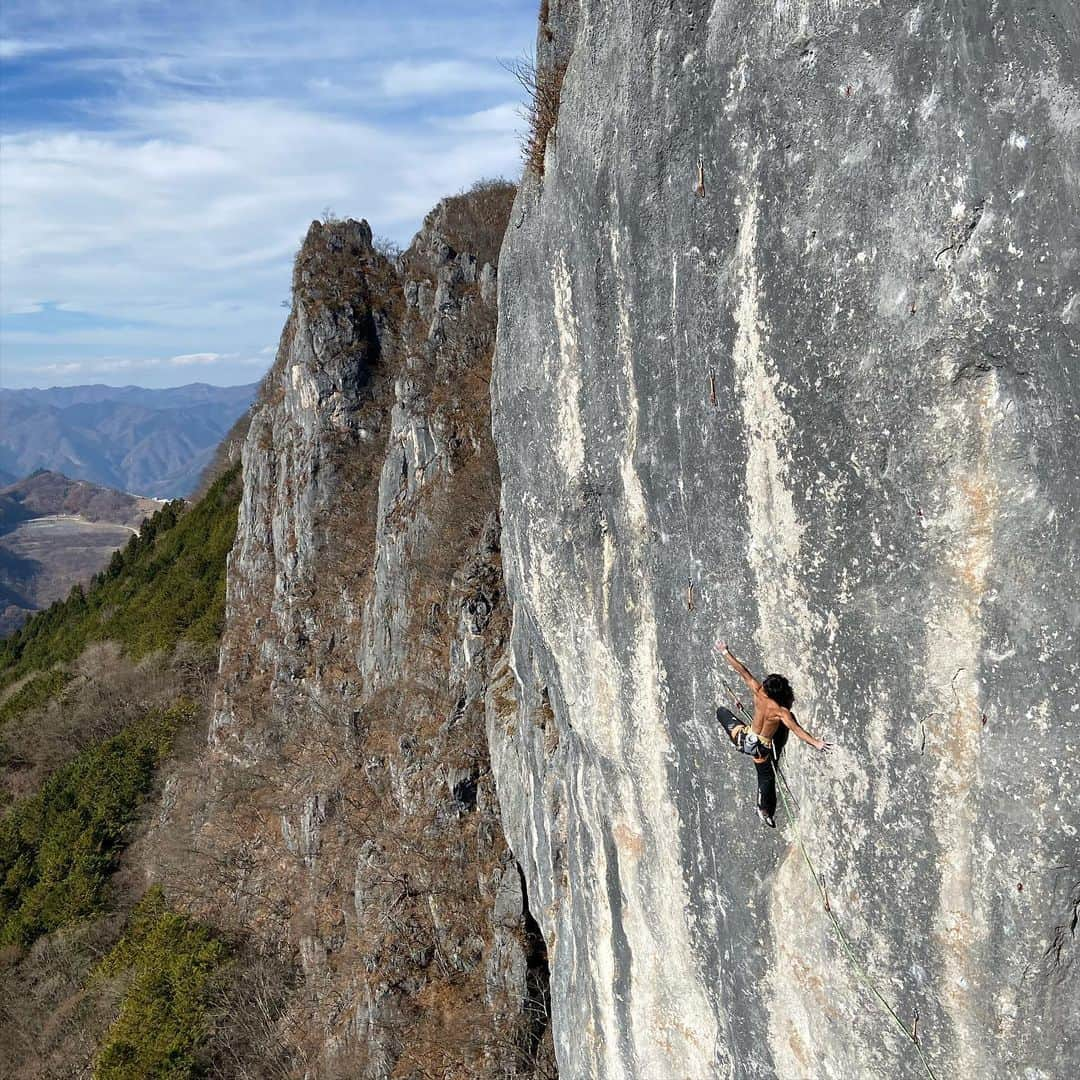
x,y
825,746
721,647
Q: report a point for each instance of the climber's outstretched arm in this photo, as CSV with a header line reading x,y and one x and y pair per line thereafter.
x,y
790,722
740,668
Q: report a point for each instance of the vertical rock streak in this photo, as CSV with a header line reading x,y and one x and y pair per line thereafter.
x,y
964,531
784,634
571,444
672,1019
774,543
616,705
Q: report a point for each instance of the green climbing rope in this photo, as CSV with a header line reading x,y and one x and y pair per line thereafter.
x,y
845,942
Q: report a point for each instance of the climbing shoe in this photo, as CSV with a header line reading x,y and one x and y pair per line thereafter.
x,y
768,819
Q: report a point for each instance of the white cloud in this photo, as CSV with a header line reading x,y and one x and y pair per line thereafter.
x,y
74,368
12,48
437,77
501,119
109,365
188,218
187,359
172,221
30,308
216,190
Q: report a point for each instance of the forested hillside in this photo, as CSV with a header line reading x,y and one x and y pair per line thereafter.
x,y
97,970
166,585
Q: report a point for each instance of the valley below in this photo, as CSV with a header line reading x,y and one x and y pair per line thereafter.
x,y
56,533
61,549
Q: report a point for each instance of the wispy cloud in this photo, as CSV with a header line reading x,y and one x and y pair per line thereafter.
x,y
187,359
160,171
103,366
439,77
504,119
11,48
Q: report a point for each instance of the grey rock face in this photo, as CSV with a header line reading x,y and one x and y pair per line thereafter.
x,y
788,354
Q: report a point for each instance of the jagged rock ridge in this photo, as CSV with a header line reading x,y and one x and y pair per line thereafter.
x,y
347,808
788,346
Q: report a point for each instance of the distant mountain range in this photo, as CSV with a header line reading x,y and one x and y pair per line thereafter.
x,y
55,532
150,442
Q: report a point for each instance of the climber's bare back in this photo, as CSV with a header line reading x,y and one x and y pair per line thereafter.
x,y
768,716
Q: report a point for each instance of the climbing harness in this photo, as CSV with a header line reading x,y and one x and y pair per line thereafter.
x,y
788,798
748,729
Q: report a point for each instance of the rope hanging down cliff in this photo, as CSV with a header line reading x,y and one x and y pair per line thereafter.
x,y
787,798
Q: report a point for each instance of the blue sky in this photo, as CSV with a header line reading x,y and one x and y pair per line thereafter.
x,y
160,163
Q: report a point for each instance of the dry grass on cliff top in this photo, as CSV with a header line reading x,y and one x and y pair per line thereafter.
x,y
543,83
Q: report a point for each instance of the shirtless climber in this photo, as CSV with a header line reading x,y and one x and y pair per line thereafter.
x,y
773,699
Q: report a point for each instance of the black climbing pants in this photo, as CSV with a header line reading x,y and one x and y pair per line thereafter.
x,y
766,786
746,742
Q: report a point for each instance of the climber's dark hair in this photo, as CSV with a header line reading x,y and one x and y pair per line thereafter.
x,y
779,689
